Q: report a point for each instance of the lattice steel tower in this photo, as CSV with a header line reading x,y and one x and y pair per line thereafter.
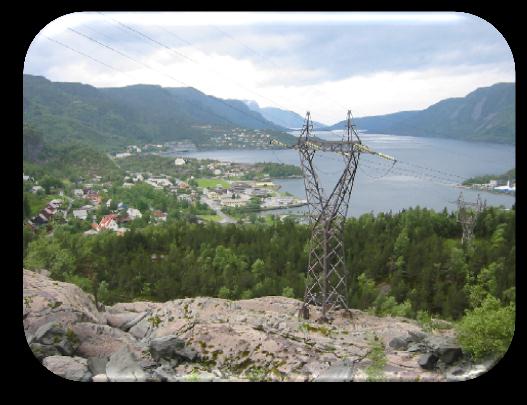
x,y
326,283
467,216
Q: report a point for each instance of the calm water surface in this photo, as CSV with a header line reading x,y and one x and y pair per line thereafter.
x,y
425,175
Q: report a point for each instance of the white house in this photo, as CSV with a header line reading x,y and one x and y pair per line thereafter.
x,y
213,195
179,162
36,189
138,177
122,155
78,192
134,213
81,214
217,172
56,202
184,197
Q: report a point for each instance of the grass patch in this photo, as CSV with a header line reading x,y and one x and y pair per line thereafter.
x,y
378,359
212,183
212,218
312,328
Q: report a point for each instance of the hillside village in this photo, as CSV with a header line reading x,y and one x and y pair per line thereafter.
x,y
95,201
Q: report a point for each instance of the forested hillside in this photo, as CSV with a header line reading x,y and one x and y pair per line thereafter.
x,y
411,263
109,118
72,160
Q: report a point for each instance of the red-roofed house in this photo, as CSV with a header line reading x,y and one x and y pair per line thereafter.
x,y
108,222
159,215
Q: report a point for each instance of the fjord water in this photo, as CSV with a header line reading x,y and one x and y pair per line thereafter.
x,y
410,183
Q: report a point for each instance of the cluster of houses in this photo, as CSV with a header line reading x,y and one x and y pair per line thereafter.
x,y
240,193
122,216
46,214
240,138
227,169
158,182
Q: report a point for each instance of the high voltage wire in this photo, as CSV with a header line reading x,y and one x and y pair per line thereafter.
x,y
268,60
182,55
255,52
413,173
170,76
400,122
83,54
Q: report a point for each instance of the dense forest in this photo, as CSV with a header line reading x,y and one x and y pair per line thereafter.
x,y
408,264
416,255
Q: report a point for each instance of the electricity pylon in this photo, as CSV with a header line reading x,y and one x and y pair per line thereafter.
x,y
327,276
467,216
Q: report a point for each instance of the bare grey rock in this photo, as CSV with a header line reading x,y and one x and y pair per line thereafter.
x,y
448,354
399,343
428,361
70,368
336,374
98,340
53,334
223,340
97,365
49,333
100,378
42,351
416,336
124,321
171,347
54,301
123,366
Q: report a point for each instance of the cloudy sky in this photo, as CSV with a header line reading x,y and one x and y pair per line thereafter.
x,y
371,63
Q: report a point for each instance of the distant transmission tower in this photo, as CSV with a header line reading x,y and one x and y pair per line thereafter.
x,y
467,214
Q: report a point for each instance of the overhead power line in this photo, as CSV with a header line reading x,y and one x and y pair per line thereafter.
x,y
252,117
445,177
184,56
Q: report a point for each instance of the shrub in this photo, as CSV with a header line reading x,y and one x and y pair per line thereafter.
x,y
488,329
225,293
288,292
424,319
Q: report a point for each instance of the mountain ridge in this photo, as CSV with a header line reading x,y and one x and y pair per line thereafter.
x,y
486,114
285,118
137,113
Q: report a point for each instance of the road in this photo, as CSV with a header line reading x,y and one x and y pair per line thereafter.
x,y
225,219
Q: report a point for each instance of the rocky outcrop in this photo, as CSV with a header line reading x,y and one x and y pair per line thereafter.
x,y
211,339
70,368
123,366
171,347
47,301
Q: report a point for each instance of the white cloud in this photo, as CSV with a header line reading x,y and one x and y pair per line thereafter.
x,y
224,69
247,18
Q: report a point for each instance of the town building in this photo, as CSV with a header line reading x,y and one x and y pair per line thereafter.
x,y
80,214
134,213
